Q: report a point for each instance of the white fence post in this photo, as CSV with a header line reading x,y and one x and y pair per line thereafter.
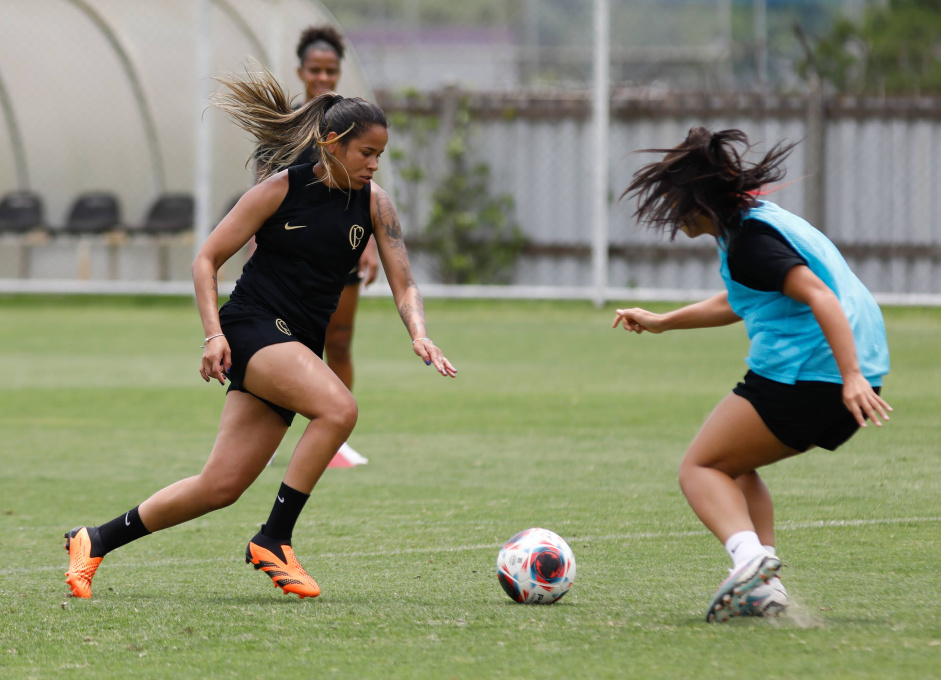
x,y
202,190
600,172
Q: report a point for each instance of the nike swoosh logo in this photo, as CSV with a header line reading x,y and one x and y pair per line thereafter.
x,y
280,500
127,522
296,226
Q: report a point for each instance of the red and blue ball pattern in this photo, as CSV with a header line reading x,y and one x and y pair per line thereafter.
x,y
536,567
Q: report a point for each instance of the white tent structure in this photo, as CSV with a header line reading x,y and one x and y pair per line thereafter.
x,y
110,95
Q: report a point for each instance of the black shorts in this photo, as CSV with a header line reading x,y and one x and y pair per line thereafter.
x,y
805,414
247,329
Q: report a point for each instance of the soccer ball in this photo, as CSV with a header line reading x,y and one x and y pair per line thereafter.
x,y
536,567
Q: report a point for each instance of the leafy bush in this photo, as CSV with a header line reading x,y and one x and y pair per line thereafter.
x,y
471,234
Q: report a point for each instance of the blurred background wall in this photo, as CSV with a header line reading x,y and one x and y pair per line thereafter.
x,y
491,152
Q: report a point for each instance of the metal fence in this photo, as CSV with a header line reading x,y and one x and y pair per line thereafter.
x,y
108,97
875,195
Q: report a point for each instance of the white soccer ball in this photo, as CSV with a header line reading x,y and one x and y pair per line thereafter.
x,y
536,567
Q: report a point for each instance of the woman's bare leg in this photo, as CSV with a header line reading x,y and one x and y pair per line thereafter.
x,y
760,506
718,478
287,374
248,432
290,375
733,442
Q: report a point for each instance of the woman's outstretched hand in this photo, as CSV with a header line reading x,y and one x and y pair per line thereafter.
x,y
862,401
433,355
638,320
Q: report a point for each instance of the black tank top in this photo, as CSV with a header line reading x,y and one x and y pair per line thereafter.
x,y
305,250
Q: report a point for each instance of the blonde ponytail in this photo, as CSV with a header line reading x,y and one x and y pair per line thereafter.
x,y
259,105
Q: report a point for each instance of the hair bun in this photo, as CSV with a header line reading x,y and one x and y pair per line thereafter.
x,y
334,100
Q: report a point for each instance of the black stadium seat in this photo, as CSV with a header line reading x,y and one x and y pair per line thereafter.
x,y
20,211
93,213
170,214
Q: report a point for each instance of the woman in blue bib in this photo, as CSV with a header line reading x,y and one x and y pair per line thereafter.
x,y
818,346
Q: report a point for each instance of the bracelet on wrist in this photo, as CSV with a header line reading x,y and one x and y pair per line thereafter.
x,y
417,339
206,340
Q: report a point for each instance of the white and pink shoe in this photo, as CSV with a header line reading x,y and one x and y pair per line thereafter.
x,y
731,597
344,458
347,457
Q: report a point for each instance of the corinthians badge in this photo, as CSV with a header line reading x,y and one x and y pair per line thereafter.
x,y
356,235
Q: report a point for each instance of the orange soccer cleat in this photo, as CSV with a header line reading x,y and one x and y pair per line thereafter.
x,y
82,565
287,574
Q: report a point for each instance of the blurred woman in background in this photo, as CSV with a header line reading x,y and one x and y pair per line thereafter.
x,y
320,54
320,51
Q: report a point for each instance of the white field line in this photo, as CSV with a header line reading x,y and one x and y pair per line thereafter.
x,y
640,535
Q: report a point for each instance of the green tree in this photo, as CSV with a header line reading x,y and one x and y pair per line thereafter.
x,y
894,49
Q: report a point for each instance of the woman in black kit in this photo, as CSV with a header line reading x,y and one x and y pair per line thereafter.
x,y
311,224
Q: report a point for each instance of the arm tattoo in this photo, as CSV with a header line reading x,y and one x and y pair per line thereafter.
x,y
419,300
405,311
389,221
413,311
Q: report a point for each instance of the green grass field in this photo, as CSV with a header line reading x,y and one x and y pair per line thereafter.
x,y
555,420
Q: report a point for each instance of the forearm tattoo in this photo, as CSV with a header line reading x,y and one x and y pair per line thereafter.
x,y
413,312
412,307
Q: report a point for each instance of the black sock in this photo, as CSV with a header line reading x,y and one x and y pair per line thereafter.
x,y
287,508
120,531
271,544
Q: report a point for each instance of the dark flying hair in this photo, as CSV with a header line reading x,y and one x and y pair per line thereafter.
x,y
705,175
320,34
257,104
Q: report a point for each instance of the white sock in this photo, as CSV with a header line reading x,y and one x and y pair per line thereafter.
x,y
743,547
770,549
